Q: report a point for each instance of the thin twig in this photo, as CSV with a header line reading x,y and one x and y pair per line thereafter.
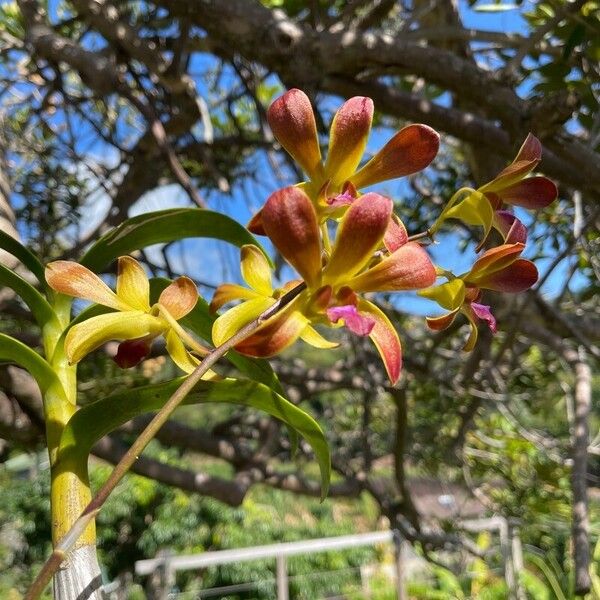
x,y
93,508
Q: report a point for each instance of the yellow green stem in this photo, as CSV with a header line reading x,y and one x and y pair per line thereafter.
x,y
69,488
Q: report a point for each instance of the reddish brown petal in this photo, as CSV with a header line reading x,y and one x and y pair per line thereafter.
x,y
493,260
409,268
530,150
348,138
395,234
131,353
358,236
292,121
255,224
290,221
409,151
516,277
442,322
179,297
276,335
511,228
532,193
527,159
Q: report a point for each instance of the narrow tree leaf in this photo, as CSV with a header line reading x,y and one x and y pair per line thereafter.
x,y
14,351
162,227
577,36
95,420
39,306
20,252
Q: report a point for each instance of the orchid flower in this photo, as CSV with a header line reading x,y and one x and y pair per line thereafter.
x,y
511,186
499,269
135,321
357,263
333,183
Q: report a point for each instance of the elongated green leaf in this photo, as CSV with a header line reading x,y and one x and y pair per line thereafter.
x,y
548,574
42,311
162,227
13,351
200,321
26,256
96,420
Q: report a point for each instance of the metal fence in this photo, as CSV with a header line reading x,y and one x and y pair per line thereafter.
x,y
166,566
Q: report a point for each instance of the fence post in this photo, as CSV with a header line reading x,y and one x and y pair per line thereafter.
x,y
283,590
517,557
165,576
399,563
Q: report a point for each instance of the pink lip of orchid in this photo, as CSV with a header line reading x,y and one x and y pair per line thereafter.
x,y
498,269
333,291
333,184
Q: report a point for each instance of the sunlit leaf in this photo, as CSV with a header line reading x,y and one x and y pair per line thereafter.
x,y
14,351
20,252
42,311
163,227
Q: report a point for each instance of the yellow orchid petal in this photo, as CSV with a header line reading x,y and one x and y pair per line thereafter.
x,y
186,361
126,325
473,333
179,298
133,286
73,279
229,323
256,270
450,295
348,138
228,292
475,209
311,336
386,340
180,356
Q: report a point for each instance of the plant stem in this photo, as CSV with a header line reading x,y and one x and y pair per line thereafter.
x,y
69,486
93,508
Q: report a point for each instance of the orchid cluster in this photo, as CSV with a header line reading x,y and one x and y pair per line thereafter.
x,y
343,243
371,251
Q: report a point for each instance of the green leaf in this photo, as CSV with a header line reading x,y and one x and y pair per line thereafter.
x,y
95,420
577,36
26,256
200,321
39,306
163,227
14,351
